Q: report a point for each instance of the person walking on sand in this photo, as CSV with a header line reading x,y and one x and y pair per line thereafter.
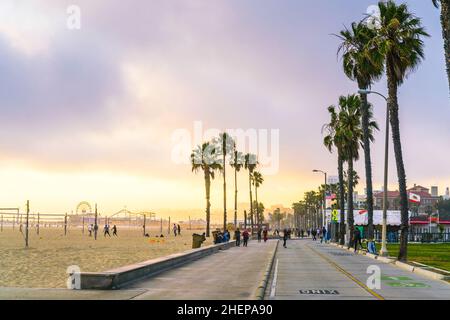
x,y
179,229
175,229
245,235
114,230
237,237
265,235
90,230
285,237
106,230
259,235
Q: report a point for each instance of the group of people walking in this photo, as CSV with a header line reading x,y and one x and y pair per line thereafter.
x,y
94,228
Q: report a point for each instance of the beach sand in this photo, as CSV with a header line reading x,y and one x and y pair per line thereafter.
x,y
44,263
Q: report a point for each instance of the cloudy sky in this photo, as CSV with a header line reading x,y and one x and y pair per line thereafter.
x,y
90,114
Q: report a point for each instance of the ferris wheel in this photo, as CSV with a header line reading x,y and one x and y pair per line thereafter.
x,y
84,208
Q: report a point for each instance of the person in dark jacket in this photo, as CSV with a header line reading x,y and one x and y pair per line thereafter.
x,y
245,236
237,236
265,233
285,237
314,234
357,239
259,235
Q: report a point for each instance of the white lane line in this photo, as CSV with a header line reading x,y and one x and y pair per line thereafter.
x,y
274,281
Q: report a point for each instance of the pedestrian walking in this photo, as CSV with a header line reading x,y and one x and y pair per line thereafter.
x,y
324,235
259,235
265,232
90,227
357,239
179,230
114,230
237,237
175,229
245,236
314,233
309,232
285,237
106,230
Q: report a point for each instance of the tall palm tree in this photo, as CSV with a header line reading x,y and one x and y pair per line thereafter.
x,y
400,41
257,182
364,64
445,21
237,163
226,144
250,164
349,118
205,158
334,138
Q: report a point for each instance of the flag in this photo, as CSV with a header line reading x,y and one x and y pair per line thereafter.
x,y
414,197
362,211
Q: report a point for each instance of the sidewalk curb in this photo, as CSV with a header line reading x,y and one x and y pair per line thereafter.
x,y
261,289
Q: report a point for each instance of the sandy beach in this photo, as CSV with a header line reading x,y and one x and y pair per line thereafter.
x,y
44,263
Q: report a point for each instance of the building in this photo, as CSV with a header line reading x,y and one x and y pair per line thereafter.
x,y
426,205
434,191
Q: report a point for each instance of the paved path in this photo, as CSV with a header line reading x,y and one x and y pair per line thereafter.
x,y
229,274
308,270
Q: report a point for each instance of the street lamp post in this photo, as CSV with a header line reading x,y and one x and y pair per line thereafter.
x,y
324,196
383,251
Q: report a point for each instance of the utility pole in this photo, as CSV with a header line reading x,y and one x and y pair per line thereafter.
x,y
2,223
168,229
95,223
26,226
65,224
144,225
83,225
38,223
161,227
245,219
190,226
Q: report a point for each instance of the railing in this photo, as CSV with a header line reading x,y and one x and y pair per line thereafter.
x,y
422,237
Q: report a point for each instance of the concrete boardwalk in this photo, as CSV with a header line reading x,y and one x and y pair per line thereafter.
x,y
308,270
232,274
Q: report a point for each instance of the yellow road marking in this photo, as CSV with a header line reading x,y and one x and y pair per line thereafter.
x,y
349,275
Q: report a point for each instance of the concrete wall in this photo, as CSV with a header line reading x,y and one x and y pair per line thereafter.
x,y
117,278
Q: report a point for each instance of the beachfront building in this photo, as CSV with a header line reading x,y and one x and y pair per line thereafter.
x,y
427,202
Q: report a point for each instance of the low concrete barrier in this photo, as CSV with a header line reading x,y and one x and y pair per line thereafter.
x,y
262,286
117,278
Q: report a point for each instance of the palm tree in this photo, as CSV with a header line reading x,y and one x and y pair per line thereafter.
x,y
334,138
226,144
204,158
250,164
399,40
257,182
364,64
237,163
445,21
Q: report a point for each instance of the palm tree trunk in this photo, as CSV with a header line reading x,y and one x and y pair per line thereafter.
x,y
368,162
350,220
393,111
235,197
445,21
251,199
224,194
208,203
341,200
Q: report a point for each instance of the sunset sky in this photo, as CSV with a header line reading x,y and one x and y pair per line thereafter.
x,y
90,114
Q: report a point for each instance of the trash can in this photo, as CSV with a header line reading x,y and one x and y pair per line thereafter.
x,y
197,240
